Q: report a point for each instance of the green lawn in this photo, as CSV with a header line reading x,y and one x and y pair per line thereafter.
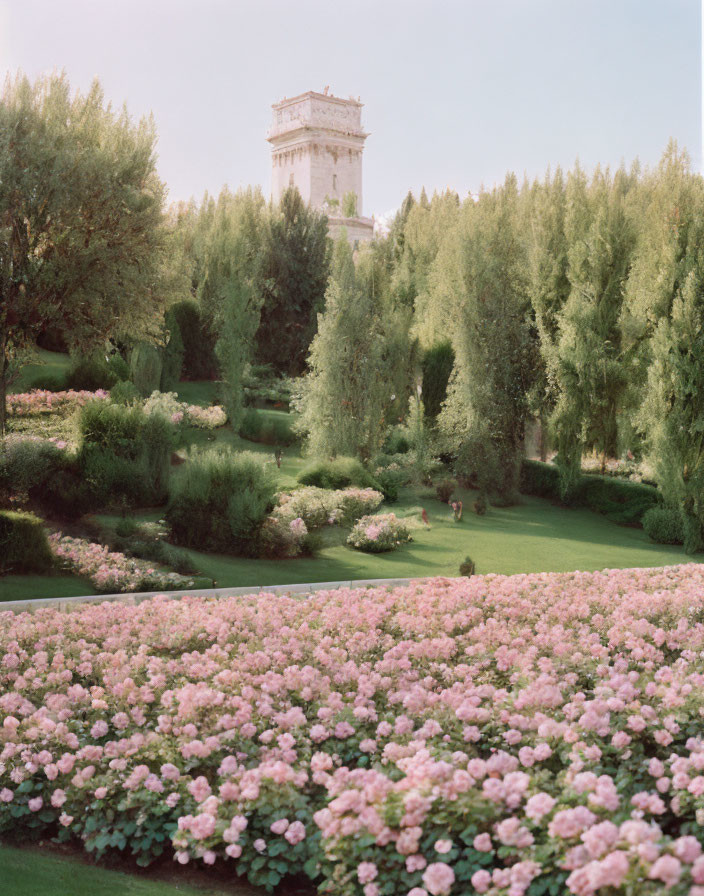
x,y
54,364
202,392
29,587
35,873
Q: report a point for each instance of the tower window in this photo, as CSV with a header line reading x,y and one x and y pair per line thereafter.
x,y
290,179
334,182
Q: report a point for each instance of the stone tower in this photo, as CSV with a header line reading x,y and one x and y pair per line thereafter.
x,y
317,142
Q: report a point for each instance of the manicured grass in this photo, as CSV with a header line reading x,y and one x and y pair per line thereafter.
x,y
202,392
35,873
534,536
46,364
34,586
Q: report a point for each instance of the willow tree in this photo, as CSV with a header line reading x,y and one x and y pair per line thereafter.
x,y
81,220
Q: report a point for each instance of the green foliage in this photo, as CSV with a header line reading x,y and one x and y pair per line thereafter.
x,y
673,409
26,464
436,366
172,354
99,222
346,399
444,490
199,361
267,428
124,392
349,204
292,281
621,501
220,501
23,543
124,453
479,277
587,362
96,371
146,367
341,472
228,288
663,524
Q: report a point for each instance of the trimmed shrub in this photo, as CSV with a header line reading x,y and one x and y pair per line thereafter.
x,y
24,546
91,373
47,382
145,368
390,483
341,472
620,501
397,441
199,361
663,524
124,453
220,501
124,392
267,428
378,534
27,463
481,505
436,366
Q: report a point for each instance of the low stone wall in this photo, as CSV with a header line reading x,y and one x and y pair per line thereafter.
x,y
67,603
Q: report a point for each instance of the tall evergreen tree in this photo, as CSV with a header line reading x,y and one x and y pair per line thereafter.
x,y
293,279
228,287
480,275
588,365
345,398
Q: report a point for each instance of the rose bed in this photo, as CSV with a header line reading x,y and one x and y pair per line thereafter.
x,y
537,734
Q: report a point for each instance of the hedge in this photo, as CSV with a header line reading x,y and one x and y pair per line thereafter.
x,y
620,501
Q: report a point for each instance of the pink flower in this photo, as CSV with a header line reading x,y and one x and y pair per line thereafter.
x,y
438,878
443,846
482,843
366,872
280,826
35,804
667,869
295,833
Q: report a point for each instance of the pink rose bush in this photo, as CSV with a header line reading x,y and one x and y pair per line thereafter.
x,y
110,571
502,735
319,507
378,534
40,401
180,412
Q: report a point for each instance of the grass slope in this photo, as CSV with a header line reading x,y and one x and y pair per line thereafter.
x,y
26,872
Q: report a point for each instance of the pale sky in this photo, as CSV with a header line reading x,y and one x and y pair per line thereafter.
x,y
456,92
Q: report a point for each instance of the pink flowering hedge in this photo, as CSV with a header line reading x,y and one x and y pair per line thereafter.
x,y
536,734
41,401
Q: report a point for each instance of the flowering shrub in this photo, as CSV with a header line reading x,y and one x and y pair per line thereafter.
x,y
380,533
168,405
534,734
320,506
39,401
110,571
